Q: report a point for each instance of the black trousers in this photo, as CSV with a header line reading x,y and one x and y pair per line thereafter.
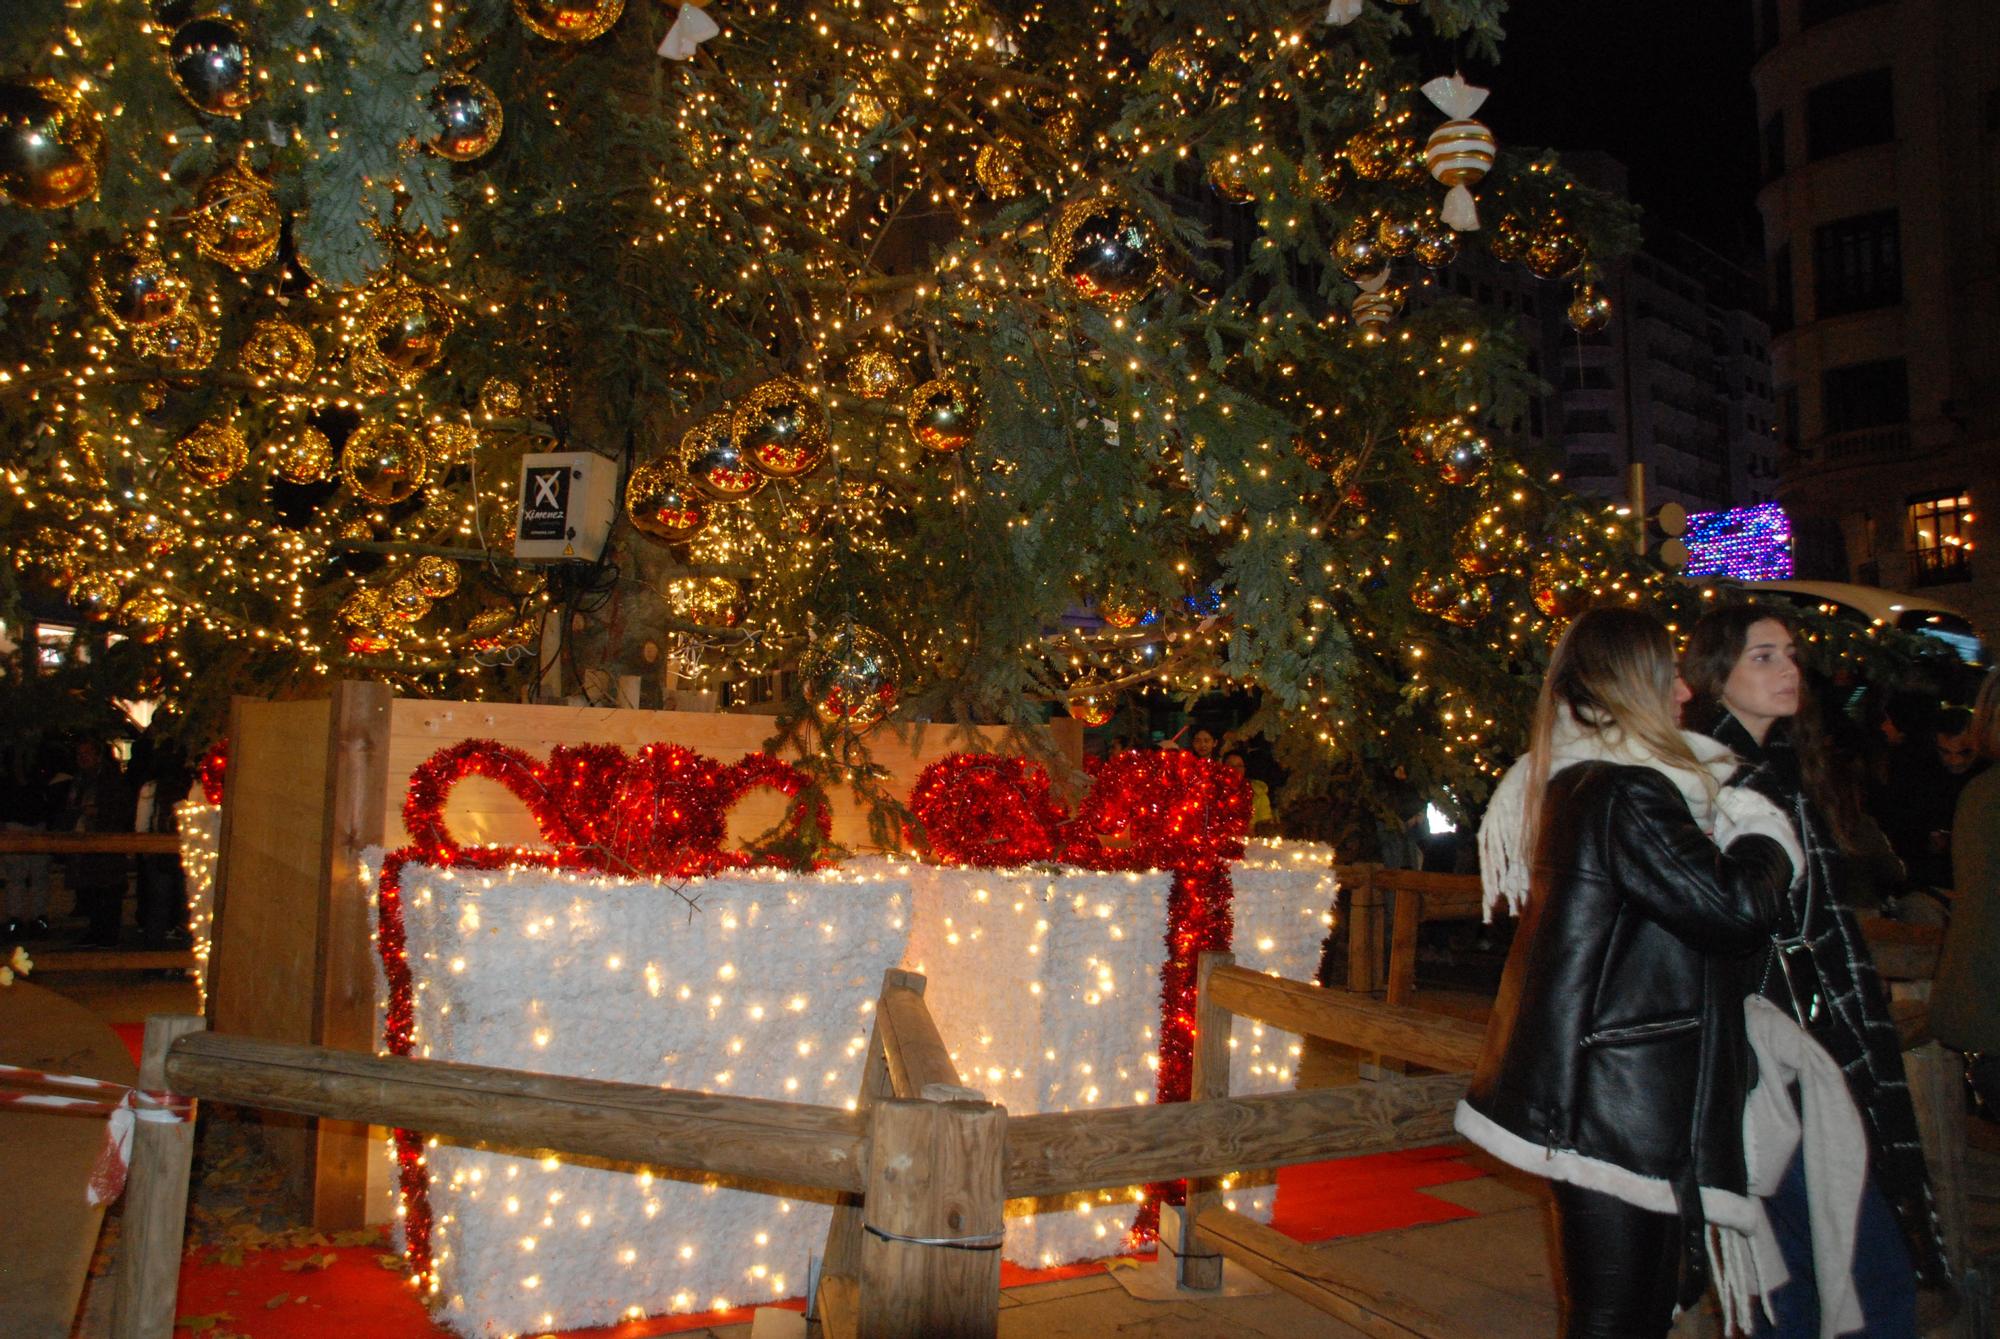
x,y
1620,1264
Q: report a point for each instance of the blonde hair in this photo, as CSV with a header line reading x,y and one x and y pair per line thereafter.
x,y
1986,716
1613,673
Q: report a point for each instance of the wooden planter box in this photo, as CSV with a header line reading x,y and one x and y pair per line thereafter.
x,y
314,783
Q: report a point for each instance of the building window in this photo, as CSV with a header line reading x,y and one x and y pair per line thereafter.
x,y
1857,264
1941,537
1850,113
1788,417
1774,146
1865,395
1812,12
1781,289
1588,420
1589,377
1591,465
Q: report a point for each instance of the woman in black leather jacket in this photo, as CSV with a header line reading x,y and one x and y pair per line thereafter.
x,y
1617,1063
1742,665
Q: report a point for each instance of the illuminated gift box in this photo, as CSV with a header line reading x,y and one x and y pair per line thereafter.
x,y
1047,978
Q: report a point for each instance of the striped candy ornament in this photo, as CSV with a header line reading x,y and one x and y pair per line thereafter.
x,y
1460,151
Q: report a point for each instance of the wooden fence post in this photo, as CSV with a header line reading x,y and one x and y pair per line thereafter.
x,y
930,1251
1364,932
1197,1266
156,1194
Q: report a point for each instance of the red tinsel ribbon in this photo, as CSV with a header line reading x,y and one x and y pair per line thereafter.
x,y
212,769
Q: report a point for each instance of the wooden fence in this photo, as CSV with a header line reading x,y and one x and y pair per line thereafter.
x,y
923,1164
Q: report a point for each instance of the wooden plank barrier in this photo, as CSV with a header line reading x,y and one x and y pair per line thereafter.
x,y
1450,1044
90,843
156,1194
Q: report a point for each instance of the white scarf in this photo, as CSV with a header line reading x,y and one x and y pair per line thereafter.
x,y
1725,814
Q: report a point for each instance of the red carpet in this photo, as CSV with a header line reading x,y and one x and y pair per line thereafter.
x,y
311,1292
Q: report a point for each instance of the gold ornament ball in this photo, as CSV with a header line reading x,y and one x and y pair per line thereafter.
x,y
662,505
1397,236
435,576
1091,701
1322,180
1000,169
183,342
148,614
1233,176
1459,153
401,331
384,462
1118,612
212,453
1452,447
94,593
569,20
1064,126
849,676
303,456
1552,251
470,115
1180,64
707,601
132,286
405,600
366,609
1379,153
501,397
1358,251
147,533
1105,251
715,465
237,220
447,443
1560,587
1458,602
51,145
213,67
1589,309
943,415
279,350
1437,245
1509,241
780,429
874,374
1485,546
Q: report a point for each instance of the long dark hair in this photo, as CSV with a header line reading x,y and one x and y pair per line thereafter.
x,y
1714,646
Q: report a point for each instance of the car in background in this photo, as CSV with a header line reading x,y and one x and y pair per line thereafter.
x,y
1911,613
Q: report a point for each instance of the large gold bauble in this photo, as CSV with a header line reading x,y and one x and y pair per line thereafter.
x,y
780,429
1560,586
1322,180
1452,447
1589,309
1396,235
303,456
1064,127
95,594
1089,700
279,350
1358,251
147,533
366,609
1379,153
148,615
1121,612
707,601
51,145
1454,599
1104,250
1233,176
1437,245
1485,545
448,443
401,331
569,20
661,504
405,600
501,397
384,462
1180,64
435,576
875,374
1000,169
183,341
1509,241
944,414
471,116
849,676
132,286
712,462
213,67
213,452
237,220
1552,251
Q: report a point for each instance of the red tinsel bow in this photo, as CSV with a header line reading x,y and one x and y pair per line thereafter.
x,y
663,811
211,771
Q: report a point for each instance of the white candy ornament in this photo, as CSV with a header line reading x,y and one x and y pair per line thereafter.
x,y
1460,151
1340,13
1374,307
691,27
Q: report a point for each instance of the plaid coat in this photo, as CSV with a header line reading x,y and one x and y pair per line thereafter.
x,y
1857,1032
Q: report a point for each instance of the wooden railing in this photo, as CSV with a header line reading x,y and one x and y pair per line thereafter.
x,y
921,1162
89,843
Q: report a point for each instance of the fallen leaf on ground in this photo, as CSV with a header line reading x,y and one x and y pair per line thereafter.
x,y
278,1301
201,1324
319,1260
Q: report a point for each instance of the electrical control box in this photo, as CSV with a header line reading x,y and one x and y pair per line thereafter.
x,y
566,505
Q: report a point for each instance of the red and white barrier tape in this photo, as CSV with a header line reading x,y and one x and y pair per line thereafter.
x,y
125,1106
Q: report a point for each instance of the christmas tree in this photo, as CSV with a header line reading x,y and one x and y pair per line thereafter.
x,y
981,360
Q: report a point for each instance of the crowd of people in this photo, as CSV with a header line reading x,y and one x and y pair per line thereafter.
x,y
82,786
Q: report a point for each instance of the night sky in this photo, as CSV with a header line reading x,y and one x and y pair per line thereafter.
x,y
1662,85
